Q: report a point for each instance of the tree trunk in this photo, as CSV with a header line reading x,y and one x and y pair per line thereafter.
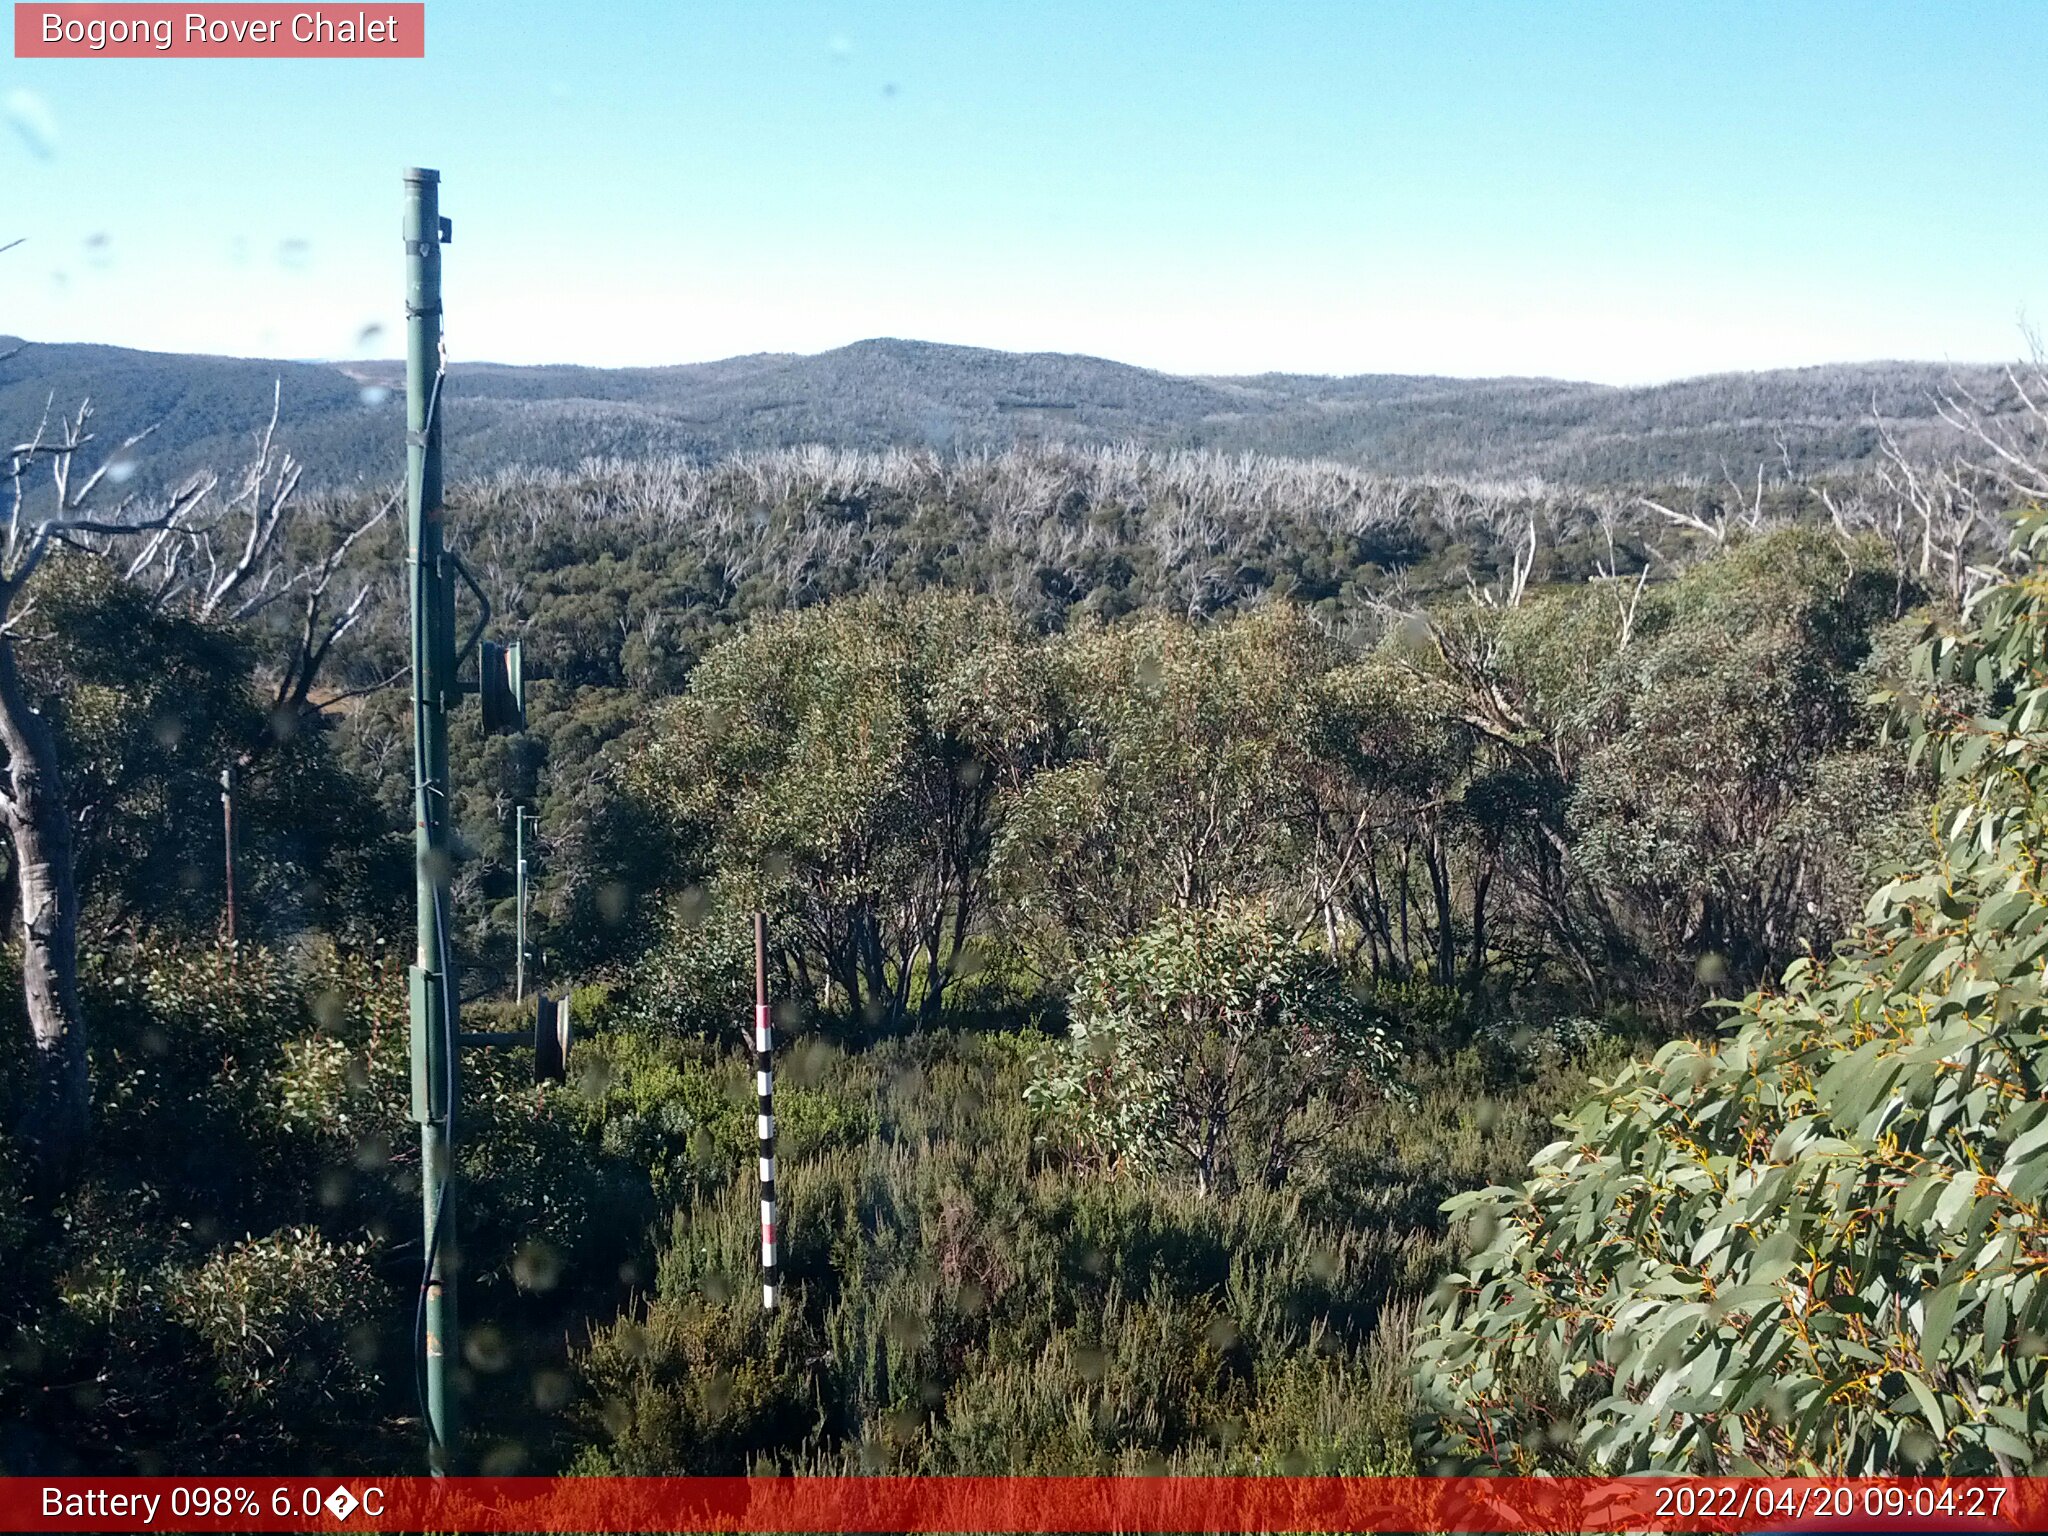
x,y
1446,920
53,1126
1482,882
1407,954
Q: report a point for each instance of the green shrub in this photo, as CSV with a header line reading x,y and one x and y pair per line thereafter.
x,y
696,981
722,1379
1214,1045
286,1318
954,1302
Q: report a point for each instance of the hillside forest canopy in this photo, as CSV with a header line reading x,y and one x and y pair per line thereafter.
x,y
1281,966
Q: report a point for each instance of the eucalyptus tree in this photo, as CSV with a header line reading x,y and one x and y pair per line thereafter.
x,y
1212,1045
1681,781
844,767
1815,1244
218,560
1387,794
1181,767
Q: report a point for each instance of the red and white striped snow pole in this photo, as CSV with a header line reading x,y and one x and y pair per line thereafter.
x,y
764,1085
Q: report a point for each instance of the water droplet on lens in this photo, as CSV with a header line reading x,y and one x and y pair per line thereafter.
x,y
537,1267
31,119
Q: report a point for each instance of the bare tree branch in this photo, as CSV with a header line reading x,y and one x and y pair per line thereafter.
x,y
1717,530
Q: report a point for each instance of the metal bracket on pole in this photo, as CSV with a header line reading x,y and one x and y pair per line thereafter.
x,y
483,617
549,1038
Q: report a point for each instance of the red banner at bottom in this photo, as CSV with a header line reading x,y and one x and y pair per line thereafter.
x,y
1022,1504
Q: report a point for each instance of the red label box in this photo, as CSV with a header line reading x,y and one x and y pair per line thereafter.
x,y
371,30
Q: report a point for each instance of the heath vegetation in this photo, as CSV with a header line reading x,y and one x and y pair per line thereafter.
x,y
1281,967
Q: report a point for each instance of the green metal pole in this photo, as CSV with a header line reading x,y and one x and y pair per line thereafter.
x,y
434,990
519,824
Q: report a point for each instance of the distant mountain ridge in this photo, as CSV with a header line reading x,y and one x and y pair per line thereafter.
x,y
345,420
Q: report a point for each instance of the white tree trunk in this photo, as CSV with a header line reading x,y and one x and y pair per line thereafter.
x,y
54,1125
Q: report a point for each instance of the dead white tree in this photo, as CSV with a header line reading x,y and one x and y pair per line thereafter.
x,y
2011,445
1947,508
1610,574
1715,529
1747,513
1520,565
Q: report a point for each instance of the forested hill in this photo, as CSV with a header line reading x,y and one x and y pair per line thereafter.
x,y
345,420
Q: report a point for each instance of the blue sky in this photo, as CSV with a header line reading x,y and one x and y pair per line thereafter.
x,y
1620,192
